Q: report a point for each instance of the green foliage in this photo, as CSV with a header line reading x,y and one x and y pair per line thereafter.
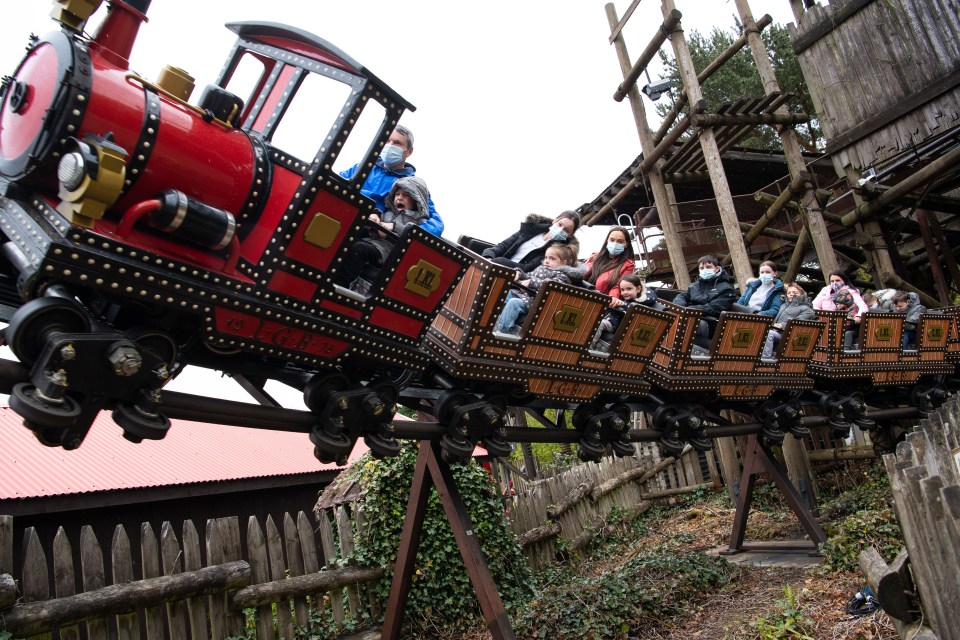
x,y
856,532
788,623
657,584
860,486
738,77
440,590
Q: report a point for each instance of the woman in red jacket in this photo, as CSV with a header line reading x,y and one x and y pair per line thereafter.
x,y
607,267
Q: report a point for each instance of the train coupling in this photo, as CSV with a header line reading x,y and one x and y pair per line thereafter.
x,y
679,424
778,418
602,427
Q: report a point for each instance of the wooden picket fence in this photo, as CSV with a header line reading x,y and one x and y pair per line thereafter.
x,y
568,510
185,589
925,478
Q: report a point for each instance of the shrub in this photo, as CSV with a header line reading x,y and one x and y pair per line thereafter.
x,y
854,533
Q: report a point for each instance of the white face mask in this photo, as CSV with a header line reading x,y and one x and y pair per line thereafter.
x,y
615,248
708,274
392,155
766,278
557,233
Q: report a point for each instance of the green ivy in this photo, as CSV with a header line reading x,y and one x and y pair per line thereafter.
x,y
854,533
441,590
656,585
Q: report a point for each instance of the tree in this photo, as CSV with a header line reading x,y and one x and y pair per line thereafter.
x,y
738,78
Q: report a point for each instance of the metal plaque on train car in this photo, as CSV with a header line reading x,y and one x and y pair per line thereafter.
x,y
423,278
801,341
322,231
568,318
741,338
935,333
642,336
883,333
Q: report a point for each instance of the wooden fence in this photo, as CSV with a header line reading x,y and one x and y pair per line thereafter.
x,y
184,588
925,478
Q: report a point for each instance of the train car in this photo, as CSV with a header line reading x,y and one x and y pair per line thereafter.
x,y
143,232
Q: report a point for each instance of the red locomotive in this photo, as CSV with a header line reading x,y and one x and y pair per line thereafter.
x,y
141,232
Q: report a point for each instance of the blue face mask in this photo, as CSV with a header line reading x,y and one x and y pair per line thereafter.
x,y
766,278
392,155
614,248
708,274
558,234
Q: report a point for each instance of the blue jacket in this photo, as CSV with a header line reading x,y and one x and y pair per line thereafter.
x,y
379,183
772,304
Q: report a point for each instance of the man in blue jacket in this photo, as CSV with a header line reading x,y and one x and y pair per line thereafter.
x,y
390,166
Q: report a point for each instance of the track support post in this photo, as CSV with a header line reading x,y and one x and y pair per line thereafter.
x,y
758,458
432,469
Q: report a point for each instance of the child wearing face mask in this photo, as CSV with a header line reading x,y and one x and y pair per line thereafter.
x,y
765,294
559,263
711,293
796,306
632,291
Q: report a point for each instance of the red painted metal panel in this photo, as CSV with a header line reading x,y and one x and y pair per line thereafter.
x,y
396,322
325,204
285,183
276,334
279,88
291,285
408,267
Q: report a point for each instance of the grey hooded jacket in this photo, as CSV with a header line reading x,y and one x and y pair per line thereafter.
x,y
418,191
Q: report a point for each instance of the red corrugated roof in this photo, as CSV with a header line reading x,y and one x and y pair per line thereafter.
x,y
191,452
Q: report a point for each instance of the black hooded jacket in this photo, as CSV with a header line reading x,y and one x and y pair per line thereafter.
x,y
713,296
532,226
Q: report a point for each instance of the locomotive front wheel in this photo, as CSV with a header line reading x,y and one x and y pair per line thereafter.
x,y
33,322
41,412
138,426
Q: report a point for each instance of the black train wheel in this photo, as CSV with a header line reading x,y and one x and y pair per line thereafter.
x,y
139,426
31,323
40,412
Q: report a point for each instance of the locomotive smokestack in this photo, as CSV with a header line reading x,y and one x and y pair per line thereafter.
x,y
114,40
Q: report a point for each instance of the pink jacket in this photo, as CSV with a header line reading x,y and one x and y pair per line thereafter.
x,y
824,300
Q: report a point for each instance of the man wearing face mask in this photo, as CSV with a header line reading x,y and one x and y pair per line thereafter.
x,y
525,249
711,293
390,166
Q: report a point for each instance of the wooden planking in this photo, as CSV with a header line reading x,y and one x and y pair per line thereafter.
x,y
278,572
93,577
64,578
345,531
291,539
34,585
330,555
192,561
121,562
260,572
150,568
171,558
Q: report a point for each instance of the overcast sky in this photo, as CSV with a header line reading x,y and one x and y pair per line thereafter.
x,y
514,115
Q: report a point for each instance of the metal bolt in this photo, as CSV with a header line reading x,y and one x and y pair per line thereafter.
x,y
372,405
126,361
58,378
162,372
344,403
68,352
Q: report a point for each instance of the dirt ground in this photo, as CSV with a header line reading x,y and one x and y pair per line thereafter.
x,y
757,592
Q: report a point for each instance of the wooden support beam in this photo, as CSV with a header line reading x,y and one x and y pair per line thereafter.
x,y
708,71
945,250
796,258
797,185
935,169
630,81
299,586
931,246
667,142
769,199
894,281
723,119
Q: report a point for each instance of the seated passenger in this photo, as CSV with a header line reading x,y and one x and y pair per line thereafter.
x,y
711,293
632,291
797,306
765,294
840,295
873,303
524,249
908,303
608,266
406,204
559,263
